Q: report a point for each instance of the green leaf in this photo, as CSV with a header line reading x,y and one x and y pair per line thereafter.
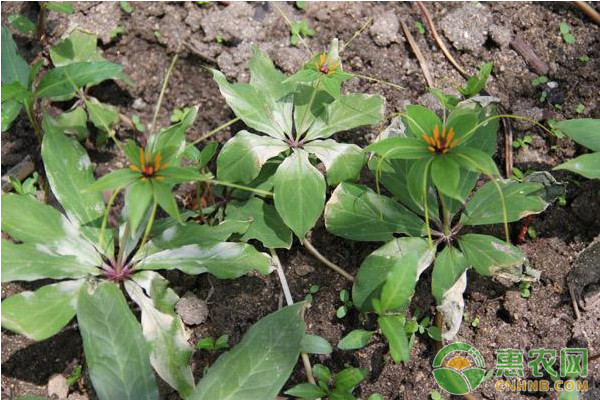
x,y
445,174
73,123
477,82
418,181
10,110
251,105
356,212
299,193
265,76
520,200
449,265
116,353
14,91
163,330
375,268
321,372
59,6
306,391
114,180
138,199
401,148
399,285
258,367
29,221
342,161
243,156
489,255
393,174
14,67
63,82
69,172
346,113
314,344
587,165
392,327
222,342
79,46
163,194
348,378
43,313
125,6
30,262
225,260
171,141
206,343
420,121
174,175
207,153
22,24
104,117
168,234
308,96
475,160
584,131
356,339
266,225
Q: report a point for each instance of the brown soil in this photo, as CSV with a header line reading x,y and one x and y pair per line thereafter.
x,y
545,319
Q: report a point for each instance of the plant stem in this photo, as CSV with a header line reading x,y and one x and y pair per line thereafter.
x,y
150,223
289,300
310,103
284,285
162,93
242,187
325,261
105,217
122,248
34,124
358,32
216,130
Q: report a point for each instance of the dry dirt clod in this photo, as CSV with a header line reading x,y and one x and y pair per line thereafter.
x,y
57,386
384,30
466,27
192,310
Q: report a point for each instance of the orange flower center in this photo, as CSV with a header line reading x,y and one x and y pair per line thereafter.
x,y
324,67
149,166
440,143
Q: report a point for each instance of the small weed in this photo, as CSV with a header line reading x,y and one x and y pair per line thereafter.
x,y
300,29
119,30
137,123
125,6
539,80
565,31
420,27
525,288
584,58
27,187
345,298
339,387
522,143
580,108
75,376
213,345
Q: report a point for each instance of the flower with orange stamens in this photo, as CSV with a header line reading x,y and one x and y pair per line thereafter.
x,y
324,66
440,143
149,167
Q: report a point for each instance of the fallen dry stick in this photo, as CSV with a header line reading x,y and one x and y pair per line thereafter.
x,y
532,59
415,48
